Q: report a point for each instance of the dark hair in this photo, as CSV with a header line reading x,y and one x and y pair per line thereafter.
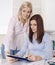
x,y
40,28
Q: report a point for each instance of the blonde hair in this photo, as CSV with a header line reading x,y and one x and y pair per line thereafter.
x,y
25,4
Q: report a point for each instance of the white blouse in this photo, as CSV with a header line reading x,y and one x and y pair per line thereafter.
x,y
15,34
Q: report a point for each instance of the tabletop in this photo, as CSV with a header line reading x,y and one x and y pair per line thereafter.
x,y
42,62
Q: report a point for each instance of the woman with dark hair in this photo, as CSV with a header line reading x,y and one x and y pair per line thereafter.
x,y
37,42
40,27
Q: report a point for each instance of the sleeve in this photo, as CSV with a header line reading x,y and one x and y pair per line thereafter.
x,y
10,34
46,53
24,48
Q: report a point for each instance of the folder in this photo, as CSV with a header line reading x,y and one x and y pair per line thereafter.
x,y
19,58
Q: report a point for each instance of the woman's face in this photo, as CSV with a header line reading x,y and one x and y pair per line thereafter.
x,y
33,26
26,11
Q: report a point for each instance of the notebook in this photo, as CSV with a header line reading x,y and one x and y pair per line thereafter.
x,y
19,58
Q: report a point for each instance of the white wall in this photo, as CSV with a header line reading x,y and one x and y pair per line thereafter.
x,y
48,12
5,14
9,8
36,5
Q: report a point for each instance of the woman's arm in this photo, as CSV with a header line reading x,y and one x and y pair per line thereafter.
x,y
24,48
9,37
34,58
46,53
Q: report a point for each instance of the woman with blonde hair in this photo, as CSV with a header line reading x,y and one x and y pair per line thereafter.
x,y
17,27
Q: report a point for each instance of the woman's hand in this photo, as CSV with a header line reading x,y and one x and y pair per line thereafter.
x,y
13,60
9,59
34,58
7,53
31,57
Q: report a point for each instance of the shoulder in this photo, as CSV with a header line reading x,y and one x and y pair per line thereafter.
x,y
46,37
13,20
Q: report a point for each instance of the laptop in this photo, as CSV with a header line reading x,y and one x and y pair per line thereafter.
x,y
20,58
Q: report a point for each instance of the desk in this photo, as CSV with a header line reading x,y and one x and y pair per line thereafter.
x,y
42,62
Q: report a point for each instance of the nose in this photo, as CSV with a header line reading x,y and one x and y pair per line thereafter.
x,y
32,26
26,14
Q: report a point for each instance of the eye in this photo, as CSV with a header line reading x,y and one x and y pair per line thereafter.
x,y
28,12
23,10
35,24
